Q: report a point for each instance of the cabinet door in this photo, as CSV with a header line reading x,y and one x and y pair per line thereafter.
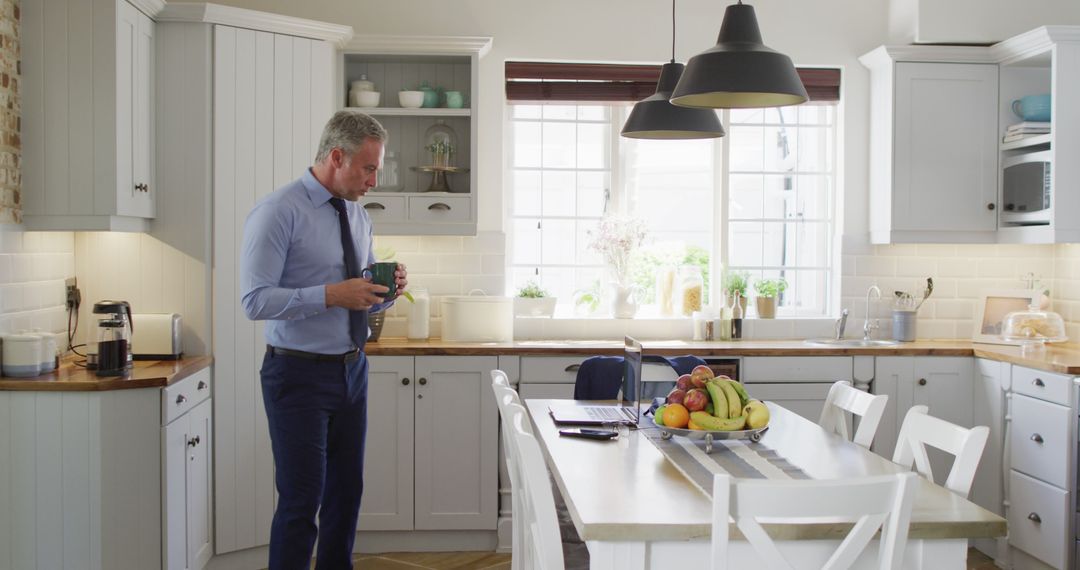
x,y
457,443
805,399
945,140
989,410
175,437
945,385
199,501
388,451
134,107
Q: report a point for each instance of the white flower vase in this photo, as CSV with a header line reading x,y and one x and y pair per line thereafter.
x,y
623,301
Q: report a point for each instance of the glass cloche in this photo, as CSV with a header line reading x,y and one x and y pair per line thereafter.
x,y
1033,326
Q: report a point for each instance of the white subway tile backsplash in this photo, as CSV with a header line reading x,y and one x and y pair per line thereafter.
x,y
440,244
466,264
439,284
419,263
897,250
868,266
493,264
957,267
489,284
485,242
959,309
12,298
936,250
400,244
1019,250
22,268
916,267
5,268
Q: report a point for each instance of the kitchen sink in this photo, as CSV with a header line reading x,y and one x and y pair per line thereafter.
x,y
850,342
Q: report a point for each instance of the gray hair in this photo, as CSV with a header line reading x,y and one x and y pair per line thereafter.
x,y
348,130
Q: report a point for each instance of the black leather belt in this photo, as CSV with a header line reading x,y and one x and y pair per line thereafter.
x,y
346,357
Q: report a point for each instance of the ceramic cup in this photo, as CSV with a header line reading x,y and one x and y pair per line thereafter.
x,y
382,273
1032,107
411,99
367,99
454,99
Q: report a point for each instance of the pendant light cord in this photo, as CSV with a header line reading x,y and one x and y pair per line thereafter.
x,y
672,31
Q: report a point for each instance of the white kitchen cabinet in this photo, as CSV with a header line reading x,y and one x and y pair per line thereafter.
x,y
933,149
798,383
943,383
88,149
433,443
187,460
991,384
414,204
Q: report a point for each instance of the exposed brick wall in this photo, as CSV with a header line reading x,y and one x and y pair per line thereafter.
x,y
10,114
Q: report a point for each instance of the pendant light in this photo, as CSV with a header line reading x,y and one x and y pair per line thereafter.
x,y
739,71
656,118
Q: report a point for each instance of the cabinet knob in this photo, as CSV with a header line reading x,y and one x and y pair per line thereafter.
x,y
991,206
922,381
404,381
419,396
572,368
423,381
374,206
1035,518
181,399
193,441
439,206
202,386
1036,438
1038,382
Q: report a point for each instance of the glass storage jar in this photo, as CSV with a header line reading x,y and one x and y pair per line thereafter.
x,y
691,289
665,290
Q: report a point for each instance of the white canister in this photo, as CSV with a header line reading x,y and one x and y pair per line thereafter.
x,y
362,84
49,357
419,314
22,355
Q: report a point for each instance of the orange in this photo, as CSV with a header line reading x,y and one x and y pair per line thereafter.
x,y
676,416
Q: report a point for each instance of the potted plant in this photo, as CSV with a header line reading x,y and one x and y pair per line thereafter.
x,y
767,292
735,282
616,238
532,301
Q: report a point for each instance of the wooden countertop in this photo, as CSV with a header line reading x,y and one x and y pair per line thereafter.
x,y
642,496
145,374
1061,358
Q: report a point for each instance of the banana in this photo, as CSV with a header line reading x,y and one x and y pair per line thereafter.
x,y
744,398
721,408
734,402
711,423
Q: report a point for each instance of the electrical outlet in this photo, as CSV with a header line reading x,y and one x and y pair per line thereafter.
x,y
73,295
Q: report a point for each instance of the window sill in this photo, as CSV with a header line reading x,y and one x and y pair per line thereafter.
x,y
661,328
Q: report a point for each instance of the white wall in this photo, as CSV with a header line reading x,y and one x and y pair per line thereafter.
x,y
985,21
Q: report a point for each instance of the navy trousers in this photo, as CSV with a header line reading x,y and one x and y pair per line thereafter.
x,y
317,415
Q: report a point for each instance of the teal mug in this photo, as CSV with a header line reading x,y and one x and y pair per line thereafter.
x,y
1032,108
454,100
382,273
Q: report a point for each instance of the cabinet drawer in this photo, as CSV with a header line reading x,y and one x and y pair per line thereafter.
x,y
1039,439
439,208
555,391
563,370
1043,385
797,369
1037,519
384,208
184,395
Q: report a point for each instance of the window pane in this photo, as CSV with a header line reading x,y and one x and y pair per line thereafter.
x,y
747,196
559,145
815,149
815,114
525,111
780,147
560,112
745,245
813,193
526,241
592,145
777,195
747,115
559,190
526,193
593,112
591,187
527,145
812,245
585,255
558,245
746,148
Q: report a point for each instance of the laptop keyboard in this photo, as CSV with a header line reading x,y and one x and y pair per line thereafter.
x,y
606,413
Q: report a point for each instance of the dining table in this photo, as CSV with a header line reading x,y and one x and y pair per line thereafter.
x,y
639,502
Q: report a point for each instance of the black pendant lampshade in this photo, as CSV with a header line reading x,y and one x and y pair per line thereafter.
x,y
739,71
656,118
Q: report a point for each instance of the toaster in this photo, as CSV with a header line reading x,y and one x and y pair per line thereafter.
x,y
156,336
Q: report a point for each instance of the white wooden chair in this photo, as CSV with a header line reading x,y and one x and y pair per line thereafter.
x,y
844,399
921,429
535,542
872,502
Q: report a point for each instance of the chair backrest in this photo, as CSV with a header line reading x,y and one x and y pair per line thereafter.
x,y
870,503
844,399
505,397
966,444
542,542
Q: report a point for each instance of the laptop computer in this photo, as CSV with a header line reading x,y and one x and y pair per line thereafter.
x,y
627,411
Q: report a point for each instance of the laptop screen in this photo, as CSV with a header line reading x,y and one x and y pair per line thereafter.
x,y
631,381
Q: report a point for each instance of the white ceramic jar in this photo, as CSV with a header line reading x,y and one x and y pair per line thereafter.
x,y
49,357
419,314
22,355
356,88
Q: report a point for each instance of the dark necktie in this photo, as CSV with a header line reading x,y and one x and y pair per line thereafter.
x,y
358,320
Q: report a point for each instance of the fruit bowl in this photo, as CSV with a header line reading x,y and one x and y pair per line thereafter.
x,y
753,435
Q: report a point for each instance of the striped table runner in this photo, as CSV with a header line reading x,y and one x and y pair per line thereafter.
x,y
737,457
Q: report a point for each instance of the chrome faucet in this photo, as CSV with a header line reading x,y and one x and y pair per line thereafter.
x,y
840,324
869,326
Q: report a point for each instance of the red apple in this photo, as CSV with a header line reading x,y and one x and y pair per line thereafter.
x,y
696,400
684,383
700,375
676,396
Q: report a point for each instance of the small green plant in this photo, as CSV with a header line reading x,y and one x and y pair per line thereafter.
x,y
735,282
770,287
532,290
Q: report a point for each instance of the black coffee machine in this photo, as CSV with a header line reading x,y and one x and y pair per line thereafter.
x,y
114,328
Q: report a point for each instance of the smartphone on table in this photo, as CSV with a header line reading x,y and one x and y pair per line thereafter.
x,y
589,433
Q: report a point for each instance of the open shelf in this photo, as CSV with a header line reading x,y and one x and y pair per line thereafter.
x,y
1028,142
419,112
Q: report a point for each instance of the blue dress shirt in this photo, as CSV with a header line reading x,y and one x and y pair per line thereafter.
x,y
291,251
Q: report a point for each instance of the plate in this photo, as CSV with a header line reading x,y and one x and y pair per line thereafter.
x,y
753,435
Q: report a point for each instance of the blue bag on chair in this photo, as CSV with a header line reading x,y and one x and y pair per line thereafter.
x,y
600,377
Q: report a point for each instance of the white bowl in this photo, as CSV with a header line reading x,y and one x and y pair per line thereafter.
x,y
411,99
367,99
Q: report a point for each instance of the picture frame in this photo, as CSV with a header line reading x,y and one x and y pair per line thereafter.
x,y
993,306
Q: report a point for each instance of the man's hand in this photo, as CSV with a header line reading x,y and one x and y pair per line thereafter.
x,y
354,294
401,278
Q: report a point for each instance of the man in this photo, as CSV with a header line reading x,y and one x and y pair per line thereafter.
x,y
304,249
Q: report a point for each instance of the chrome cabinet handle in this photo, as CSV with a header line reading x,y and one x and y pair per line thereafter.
x,y
439,206
1038,382
142,188
1035,518
193,441
404,381
181,399
423,381
1036,438
572,368
202,386
922,381
374,206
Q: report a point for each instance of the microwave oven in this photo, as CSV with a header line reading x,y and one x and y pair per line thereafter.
x,y
1026,189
